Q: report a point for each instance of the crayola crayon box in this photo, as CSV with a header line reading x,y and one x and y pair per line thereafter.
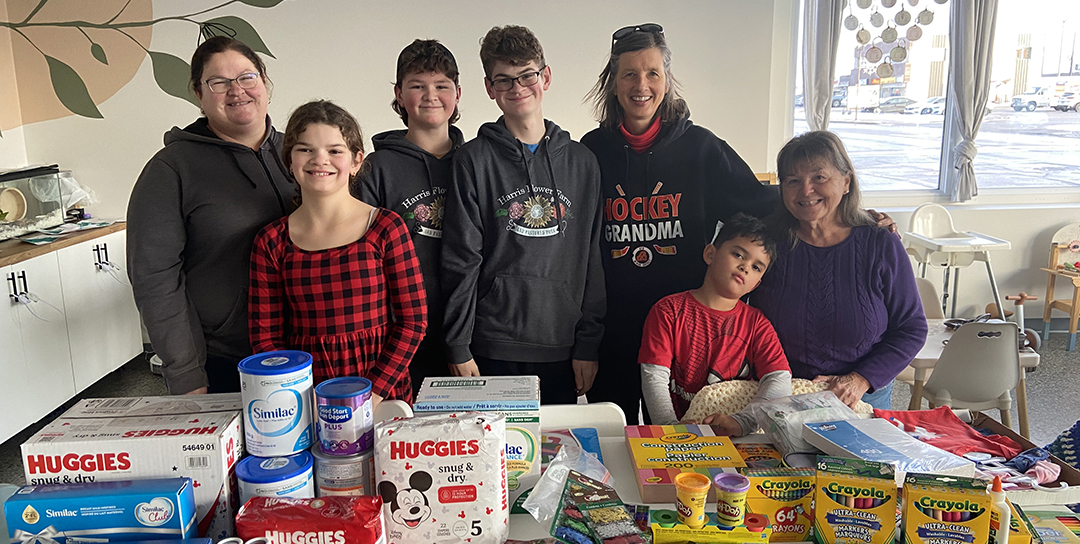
x,y
855,502
786,495
940,509
1020,529
659,452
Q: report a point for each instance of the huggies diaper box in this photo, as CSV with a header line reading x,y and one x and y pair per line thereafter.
x,y
102,512
194,436
515,397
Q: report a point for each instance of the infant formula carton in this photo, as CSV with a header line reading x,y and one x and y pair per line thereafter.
x,y
102,512
515,397
193,436
277,390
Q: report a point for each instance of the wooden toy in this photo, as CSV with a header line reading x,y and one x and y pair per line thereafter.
x,y
1064,263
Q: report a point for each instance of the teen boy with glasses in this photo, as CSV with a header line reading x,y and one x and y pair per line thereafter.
x,y
521,265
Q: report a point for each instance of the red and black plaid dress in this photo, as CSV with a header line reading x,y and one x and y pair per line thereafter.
x,y
358,309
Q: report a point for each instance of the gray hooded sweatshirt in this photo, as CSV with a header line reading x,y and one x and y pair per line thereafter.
x,y
192,217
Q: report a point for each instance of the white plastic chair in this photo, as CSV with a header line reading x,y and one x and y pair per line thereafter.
x,y
978,369
389,409
606,417
931,304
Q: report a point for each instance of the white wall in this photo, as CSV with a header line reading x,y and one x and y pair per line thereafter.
x,y
730,56
12,142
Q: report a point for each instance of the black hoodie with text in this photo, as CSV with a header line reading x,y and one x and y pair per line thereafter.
x,y
403,177
521,267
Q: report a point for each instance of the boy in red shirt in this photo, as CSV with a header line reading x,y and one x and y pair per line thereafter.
x,y
707,335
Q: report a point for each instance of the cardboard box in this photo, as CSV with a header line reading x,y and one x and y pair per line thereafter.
x,y
517,398
855,502
98,440
786,495
1028,497
940,509
1020,529
659,452
102,512
1055,527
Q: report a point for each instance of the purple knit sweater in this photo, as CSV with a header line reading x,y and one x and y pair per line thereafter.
x,y
850,307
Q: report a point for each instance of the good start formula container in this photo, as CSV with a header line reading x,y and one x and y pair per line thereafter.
x,y
276,477
338,475
344,423
276,389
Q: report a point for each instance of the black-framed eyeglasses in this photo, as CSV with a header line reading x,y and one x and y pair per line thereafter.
x,y
525,80
628,30
220,85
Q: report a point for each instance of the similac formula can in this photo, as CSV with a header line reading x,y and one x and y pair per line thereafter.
x,y
276,477
276,390
338,475
344,422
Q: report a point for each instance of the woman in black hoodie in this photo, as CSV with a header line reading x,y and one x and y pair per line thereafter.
x,y
666,183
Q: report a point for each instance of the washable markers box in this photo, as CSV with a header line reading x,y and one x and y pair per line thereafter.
x,y
102,512
940,509
855,502
786,495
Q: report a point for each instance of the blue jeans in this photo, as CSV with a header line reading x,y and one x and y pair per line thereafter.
x,y
880,399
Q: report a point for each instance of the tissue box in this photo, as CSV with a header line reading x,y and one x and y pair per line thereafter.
x,y
103,512
193,436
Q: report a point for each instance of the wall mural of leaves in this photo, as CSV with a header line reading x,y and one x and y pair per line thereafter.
x,y
171,73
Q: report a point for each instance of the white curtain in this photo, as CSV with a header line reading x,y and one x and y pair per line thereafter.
x,y
821,37
971,42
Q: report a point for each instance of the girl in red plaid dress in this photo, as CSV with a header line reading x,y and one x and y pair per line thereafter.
x,y
337,278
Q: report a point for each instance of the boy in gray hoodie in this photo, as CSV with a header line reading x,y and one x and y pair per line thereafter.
x,y
410,169
521,268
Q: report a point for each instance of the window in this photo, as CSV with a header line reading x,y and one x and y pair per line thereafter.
x,y
1030,138
888,91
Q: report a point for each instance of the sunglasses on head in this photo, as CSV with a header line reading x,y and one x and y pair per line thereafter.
x,y
628,30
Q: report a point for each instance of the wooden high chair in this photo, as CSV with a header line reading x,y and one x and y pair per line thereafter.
x,y
1064,248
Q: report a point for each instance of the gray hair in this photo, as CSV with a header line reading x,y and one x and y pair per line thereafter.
x,y
817,147
605,102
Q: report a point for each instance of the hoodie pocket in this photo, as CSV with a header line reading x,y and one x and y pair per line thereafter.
x,y
238,311
527,310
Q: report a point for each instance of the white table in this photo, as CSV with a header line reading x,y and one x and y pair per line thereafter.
x,y
962,242
930,353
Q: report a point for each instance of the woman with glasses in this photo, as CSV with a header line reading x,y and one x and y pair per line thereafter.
x,y
666,183
193,216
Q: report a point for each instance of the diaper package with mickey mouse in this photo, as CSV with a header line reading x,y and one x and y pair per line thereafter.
x,y
442,478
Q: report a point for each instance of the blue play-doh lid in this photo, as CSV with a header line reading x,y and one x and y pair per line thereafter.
x,y
275,362
343,388
267,470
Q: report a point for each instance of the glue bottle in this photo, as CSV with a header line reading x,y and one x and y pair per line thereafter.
x,y
1000,514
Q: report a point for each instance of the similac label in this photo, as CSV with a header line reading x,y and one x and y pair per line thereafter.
x,y
277,412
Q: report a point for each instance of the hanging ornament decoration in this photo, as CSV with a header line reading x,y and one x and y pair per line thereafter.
x,y
926,17
877,19
851,22
889,34
862,36
898,53
914,33
873,55
863,3
913,2
902,18
884,70
888,3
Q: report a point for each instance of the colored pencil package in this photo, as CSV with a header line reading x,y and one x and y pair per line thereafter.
x,y
786,495
940,509
855,502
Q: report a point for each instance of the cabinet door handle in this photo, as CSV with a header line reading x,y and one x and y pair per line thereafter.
x,y
14,293
105,251
97,255
25,289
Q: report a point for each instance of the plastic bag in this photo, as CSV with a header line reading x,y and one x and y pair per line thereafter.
x,y
543,501
68,192
783,418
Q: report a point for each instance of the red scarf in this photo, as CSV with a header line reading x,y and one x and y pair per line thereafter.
x,y
643,141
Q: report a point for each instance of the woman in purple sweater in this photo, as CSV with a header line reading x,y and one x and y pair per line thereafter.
x,y
841,293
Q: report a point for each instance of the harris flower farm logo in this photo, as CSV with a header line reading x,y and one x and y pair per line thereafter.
x,y
532,212
426,211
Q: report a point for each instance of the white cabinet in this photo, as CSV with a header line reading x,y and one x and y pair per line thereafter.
x,y
43,329
75,323
102,321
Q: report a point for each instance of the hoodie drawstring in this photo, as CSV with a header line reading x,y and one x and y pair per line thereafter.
x,y
555,186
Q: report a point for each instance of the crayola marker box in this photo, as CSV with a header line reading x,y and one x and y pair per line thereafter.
x,y
786,495
855,502
940,509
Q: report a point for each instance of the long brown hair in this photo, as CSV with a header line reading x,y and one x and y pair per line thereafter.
x,y
811,148
605,101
